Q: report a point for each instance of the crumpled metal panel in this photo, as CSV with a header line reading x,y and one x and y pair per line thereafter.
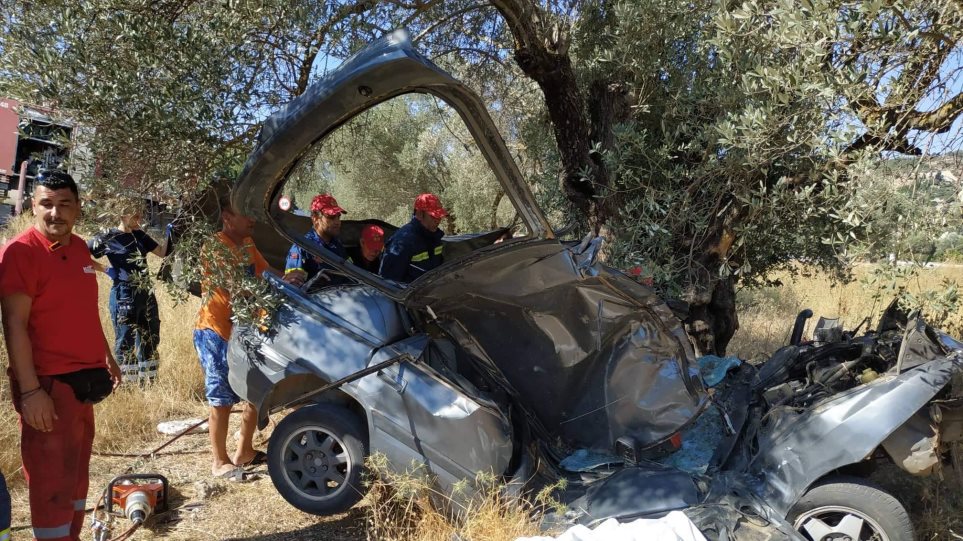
x,y
593,355
456,434
731,510
412,413
796,449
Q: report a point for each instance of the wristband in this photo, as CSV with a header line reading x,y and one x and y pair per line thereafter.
x,y
35,389
30,393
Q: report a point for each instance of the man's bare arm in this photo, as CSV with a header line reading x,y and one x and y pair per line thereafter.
x,y
115,374
36,405
16,316
162,250
98,266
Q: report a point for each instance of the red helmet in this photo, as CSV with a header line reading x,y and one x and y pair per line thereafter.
x,y
326,204
429,202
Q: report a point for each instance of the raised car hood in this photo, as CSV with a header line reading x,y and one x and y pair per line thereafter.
x,y
384,69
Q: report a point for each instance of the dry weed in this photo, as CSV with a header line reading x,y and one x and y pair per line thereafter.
x,y
766,315
407,507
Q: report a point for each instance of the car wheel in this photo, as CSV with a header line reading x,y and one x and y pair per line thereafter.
x,y
850,509
316,459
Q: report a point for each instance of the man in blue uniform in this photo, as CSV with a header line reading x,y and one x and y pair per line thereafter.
x,y
133,307
301,266
416,248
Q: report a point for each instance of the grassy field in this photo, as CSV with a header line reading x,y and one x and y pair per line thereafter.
x,y
766,315
253,511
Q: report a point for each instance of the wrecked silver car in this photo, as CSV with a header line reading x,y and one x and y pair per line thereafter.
x,y
524,357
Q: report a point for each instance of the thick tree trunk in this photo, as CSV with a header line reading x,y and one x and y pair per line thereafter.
x,y
712,317
567,112
712,324
541,51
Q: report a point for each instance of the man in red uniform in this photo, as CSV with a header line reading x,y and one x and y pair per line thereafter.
x,y
60,363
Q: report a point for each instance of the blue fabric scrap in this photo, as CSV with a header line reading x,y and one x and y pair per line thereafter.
x,y
713,369
585,460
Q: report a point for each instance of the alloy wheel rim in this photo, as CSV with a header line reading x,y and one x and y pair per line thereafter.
x,y
839,523
315,463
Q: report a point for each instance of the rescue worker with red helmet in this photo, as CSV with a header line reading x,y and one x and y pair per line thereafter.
x,y
301,265
367,255
416,248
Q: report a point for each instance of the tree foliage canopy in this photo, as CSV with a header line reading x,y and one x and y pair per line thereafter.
x,y
714,140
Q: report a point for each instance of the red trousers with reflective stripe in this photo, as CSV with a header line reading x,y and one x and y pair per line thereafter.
x,y
56,465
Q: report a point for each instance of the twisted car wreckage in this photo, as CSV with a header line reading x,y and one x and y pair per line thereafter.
x,y
531,360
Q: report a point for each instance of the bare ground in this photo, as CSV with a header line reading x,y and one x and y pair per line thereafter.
x,y
203,507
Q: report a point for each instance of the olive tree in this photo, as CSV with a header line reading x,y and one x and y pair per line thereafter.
x,y
712,140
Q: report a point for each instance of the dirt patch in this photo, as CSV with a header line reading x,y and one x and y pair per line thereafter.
x,y
206,508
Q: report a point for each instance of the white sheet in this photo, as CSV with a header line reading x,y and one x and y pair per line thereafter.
x,y
673,527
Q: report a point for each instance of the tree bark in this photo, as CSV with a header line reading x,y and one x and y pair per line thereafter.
x,y
712,324
541,51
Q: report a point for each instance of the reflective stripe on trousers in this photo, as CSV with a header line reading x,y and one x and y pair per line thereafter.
x,y
56,465
57,532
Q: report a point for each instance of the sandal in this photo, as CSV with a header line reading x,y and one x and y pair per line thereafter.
x,y
260,457
236,475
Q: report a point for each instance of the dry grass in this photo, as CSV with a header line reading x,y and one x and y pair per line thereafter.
x,y
128,418
407,507
766,315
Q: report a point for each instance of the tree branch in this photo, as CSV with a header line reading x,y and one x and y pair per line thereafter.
x,y
939,120
447,19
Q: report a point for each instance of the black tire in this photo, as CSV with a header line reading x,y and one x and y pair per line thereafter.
x,y
316,459
835,499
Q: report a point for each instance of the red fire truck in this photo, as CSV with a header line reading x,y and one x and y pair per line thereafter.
x,y
31,139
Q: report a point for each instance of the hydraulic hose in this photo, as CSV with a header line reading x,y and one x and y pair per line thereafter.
x,y
129,532
799,326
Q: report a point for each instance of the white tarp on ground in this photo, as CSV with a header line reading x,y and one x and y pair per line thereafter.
x,y
673,527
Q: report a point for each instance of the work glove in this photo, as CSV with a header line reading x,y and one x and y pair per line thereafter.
x,y
171,235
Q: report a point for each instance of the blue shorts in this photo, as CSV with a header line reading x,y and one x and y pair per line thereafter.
x,y
212,351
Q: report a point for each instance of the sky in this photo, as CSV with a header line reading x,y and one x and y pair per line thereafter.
x,y
952,74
